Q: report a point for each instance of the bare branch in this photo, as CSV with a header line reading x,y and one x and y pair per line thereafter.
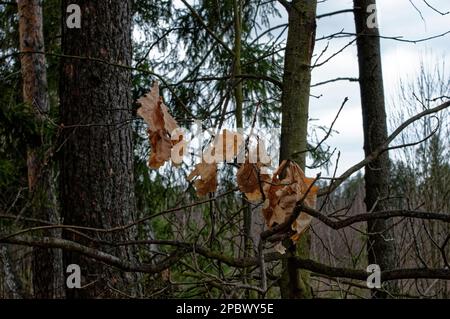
x,y
434,9
49,242
307,264
335,80
382,148
329,14
338,224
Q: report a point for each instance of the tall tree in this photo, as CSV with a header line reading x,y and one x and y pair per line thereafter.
x,y
97,187
380,245
294,127
46,262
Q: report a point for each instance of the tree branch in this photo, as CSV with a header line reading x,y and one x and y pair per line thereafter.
x,y
307,264
335,80
320,16
338,224
50,242
382,148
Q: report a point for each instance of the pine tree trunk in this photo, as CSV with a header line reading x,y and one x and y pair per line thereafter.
x,y
381,247
97,187
294,129
46,263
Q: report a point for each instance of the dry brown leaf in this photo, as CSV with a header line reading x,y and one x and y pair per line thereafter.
x,y
251,177
150,110
155,112
161,148
205,176
251,181
161,125
304,220
282,195
170,124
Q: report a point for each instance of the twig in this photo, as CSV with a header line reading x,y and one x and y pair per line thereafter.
x,y
381,149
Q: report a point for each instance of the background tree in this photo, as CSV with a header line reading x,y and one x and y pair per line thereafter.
x,y
420,173
381,250
46,262
13,172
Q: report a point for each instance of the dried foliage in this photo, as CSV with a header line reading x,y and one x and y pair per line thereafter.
x,y
161,126
288,186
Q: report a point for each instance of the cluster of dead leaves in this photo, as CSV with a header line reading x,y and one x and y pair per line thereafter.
x,y
225,147
161,127
163,135
288,186
280,192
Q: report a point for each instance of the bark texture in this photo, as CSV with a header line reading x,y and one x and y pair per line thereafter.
x,y
381,247
294,129
46,263
97,187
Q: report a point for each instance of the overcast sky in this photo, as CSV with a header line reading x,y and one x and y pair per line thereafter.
x,y
400,61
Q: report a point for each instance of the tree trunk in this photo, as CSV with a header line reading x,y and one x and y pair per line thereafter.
x,y
294,129
46,263
97,187
380,245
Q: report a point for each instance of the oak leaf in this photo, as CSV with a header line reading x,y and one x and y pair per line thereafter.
x,y
205,176
288,186
251,181
155,112
161,146
161,126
